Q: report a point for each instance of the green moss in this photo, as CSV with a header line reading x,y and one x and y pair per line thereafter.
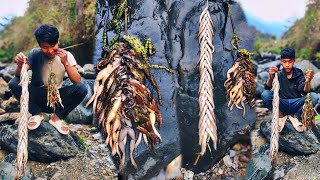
x,y
83,141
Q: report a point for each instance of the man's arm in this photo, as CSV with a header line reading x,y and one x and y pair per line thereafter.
x,y
272,71
309,76
20,59
71,70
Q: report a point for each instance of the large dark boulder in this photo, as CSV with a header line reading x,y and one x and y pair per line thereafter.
x,y
291,141
45,143
173,28
82,115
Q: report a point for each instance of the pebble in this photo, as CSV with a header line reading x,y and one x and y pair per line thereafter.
x,y
188,175
227,161
2,111
220,171
232,153
237,147
243,158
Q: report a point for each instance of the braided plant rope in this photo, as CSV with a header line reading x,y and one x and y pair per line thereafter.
x,y
22,149
274,141
207,120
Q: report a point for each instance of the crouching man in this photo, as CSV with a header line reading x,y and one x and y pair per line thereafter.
x,y
49,58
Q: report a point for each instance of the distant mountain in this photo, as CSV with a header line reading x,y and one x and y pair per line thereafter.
x,y
274,28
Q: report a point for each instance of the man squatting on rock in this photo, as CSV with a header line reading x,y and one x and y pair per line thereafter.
x,y
38,61
294,86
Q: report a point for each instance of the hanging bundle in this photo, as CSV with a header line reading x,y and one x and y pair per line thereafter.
x,y
308,114
22,149
240,84
122,104
274,141
207,120
53,96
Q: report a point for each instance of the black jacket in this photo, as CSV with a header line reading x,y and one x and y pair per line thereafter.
x,y
291,88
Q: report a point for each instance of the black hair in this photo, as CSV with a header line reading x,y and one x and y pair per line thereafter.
x,y
288,53
47,33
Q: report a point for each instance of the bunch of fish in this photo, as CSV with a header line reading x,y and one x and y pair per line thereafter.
x,y
308,114
240,84
122,104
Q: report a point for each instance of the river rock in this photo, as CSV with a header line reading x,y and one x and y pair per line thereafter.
x,y
8,169
45,143
260,165
305,65
82,115
306,168
266,66
291,141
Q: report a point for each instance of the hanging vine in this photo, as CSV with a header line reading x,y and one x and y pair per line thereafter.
x,y
207,120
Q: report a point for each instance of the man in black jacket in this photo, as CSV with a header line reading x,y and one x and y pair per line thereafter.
x,y
294,85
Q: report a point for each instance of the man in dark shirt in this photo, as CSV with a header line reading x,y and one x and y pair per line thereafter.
x,y
294,85
42,61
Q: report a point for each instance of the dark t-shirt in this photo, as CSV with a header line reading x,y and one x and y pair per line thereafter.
x,y
41,66
293,87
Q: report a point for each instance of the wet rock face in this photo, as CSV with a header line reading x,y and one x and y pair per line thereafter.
x,y
173,28
291,141
45,143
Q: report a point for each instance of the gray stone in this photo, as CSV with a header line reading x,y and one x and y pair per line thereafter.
x,y
173,28
315,82
8,169
232,153
45,143
11,105
227,161
4,88
305,168
259,167
8,72
305,65
89,68
266,66
89,71
291,141
259,89
263,76
82,115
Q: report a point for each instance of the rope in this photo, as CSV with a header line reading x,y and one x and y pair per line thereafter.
x,y
22,149
274,141
207,120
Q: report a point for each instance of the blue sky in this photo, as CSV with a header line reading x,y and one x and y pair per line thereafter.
x,y
273,16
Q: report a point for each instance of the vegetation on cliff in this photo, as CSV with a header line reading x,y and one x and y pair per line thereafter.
x,y
75,20
304,35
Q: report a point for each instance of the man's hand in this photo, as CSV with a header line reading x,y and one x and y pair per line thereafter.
x,y
20,59
63,56
309,75
272,71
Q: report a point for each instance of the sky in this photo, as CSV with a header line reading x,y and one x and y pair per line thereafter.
x,y
273,16
265,14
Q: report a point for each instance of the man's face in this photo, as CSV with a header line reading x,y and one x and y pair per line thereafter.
x,y
287,64
48,49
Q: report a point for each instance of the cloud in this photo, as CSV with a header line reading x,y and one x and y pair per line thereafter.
x,y
275,10
13,7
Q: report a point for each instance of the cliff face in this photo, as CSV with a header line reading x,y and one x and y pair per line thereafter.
x,y
173,28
